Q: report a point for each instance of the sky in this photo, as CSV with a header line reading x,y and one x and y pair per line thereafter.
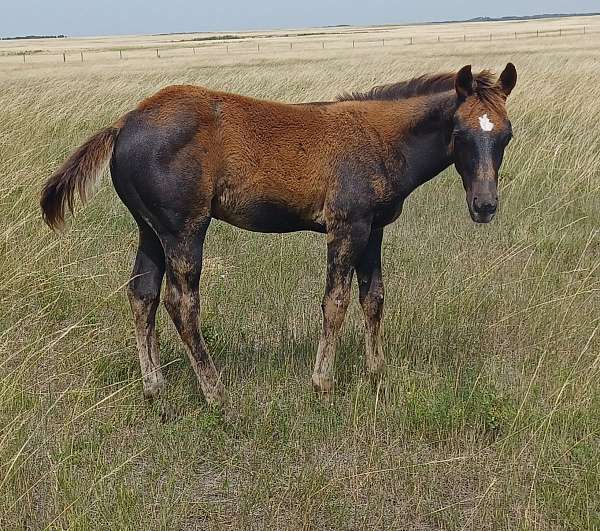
x,y
121,17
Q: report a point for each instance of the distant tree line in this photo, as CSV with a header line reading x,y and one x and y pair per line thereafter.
x,y
22,37
530,17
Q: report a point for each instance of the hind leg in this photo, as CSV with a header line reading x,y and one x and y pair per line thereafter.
x,y
144,295
182,300
370,291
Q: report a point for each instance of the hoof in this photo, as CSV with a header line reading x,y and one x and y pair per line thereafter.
x,y
377,381
219,400
168,413
154,388
375,366
378,385
231,416
217,396
323,385
376,376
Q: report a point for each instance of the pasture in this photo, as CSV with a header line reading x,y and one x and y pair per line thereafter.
x,y
490,417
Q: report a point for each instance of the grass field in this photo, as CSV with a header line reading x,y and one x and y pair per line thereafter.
x,y
491,419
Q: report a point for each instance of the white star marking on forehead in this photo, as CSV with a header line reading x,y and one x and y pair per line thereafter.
x,y
485,123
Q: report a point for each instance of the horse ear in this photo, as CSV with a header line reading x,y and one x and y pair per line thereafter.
x,y
508,79
464,82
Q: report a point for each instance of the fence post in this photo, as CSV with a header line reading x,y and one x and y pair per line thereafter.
x,y
538,33
515,35
64,57
352,44
464,38
82,57
157,54
382,42
194,49
560,32
584,30
411,40
23,58
291,45
120,54
438,38
258,46
227,48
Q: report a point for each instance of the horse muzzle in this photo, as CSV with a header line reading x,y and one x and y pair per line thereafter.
x,y
483,202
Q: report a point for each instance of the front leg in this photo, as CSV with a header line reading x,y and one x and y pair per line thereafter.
x,y
345,244
370,293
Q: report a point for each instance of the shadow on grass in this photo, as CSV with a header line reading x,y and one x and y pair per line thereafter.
x,y
432,385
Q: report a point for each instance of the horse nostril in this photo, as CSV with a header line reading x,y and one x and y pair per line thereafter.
x,y
485,206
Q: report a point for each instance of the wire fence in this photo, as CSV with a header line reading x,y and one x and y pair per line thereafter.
x,y
257,45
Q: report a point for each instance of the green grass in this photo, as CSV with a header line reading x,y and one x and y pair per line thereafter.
x,y
490,417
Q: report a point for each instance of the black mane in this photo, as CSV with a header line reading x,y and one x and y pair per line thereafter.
x,y
485,88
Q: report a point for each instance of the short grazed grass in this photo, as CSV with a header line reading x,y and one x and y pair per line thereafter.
x,y
490,417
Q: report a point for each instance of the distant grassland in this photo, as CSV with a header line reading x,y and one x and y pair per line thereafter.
x,y
491,417
101,49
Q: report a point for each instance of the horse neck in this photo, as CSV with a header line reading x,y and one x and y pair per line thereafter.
x,y
424,143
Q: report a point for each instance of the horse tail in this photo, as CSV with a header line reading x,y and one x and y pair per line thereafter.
x,y
80,173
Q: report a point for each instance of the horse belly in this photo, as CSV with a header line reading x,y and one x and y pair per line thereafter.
x,y
264,215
